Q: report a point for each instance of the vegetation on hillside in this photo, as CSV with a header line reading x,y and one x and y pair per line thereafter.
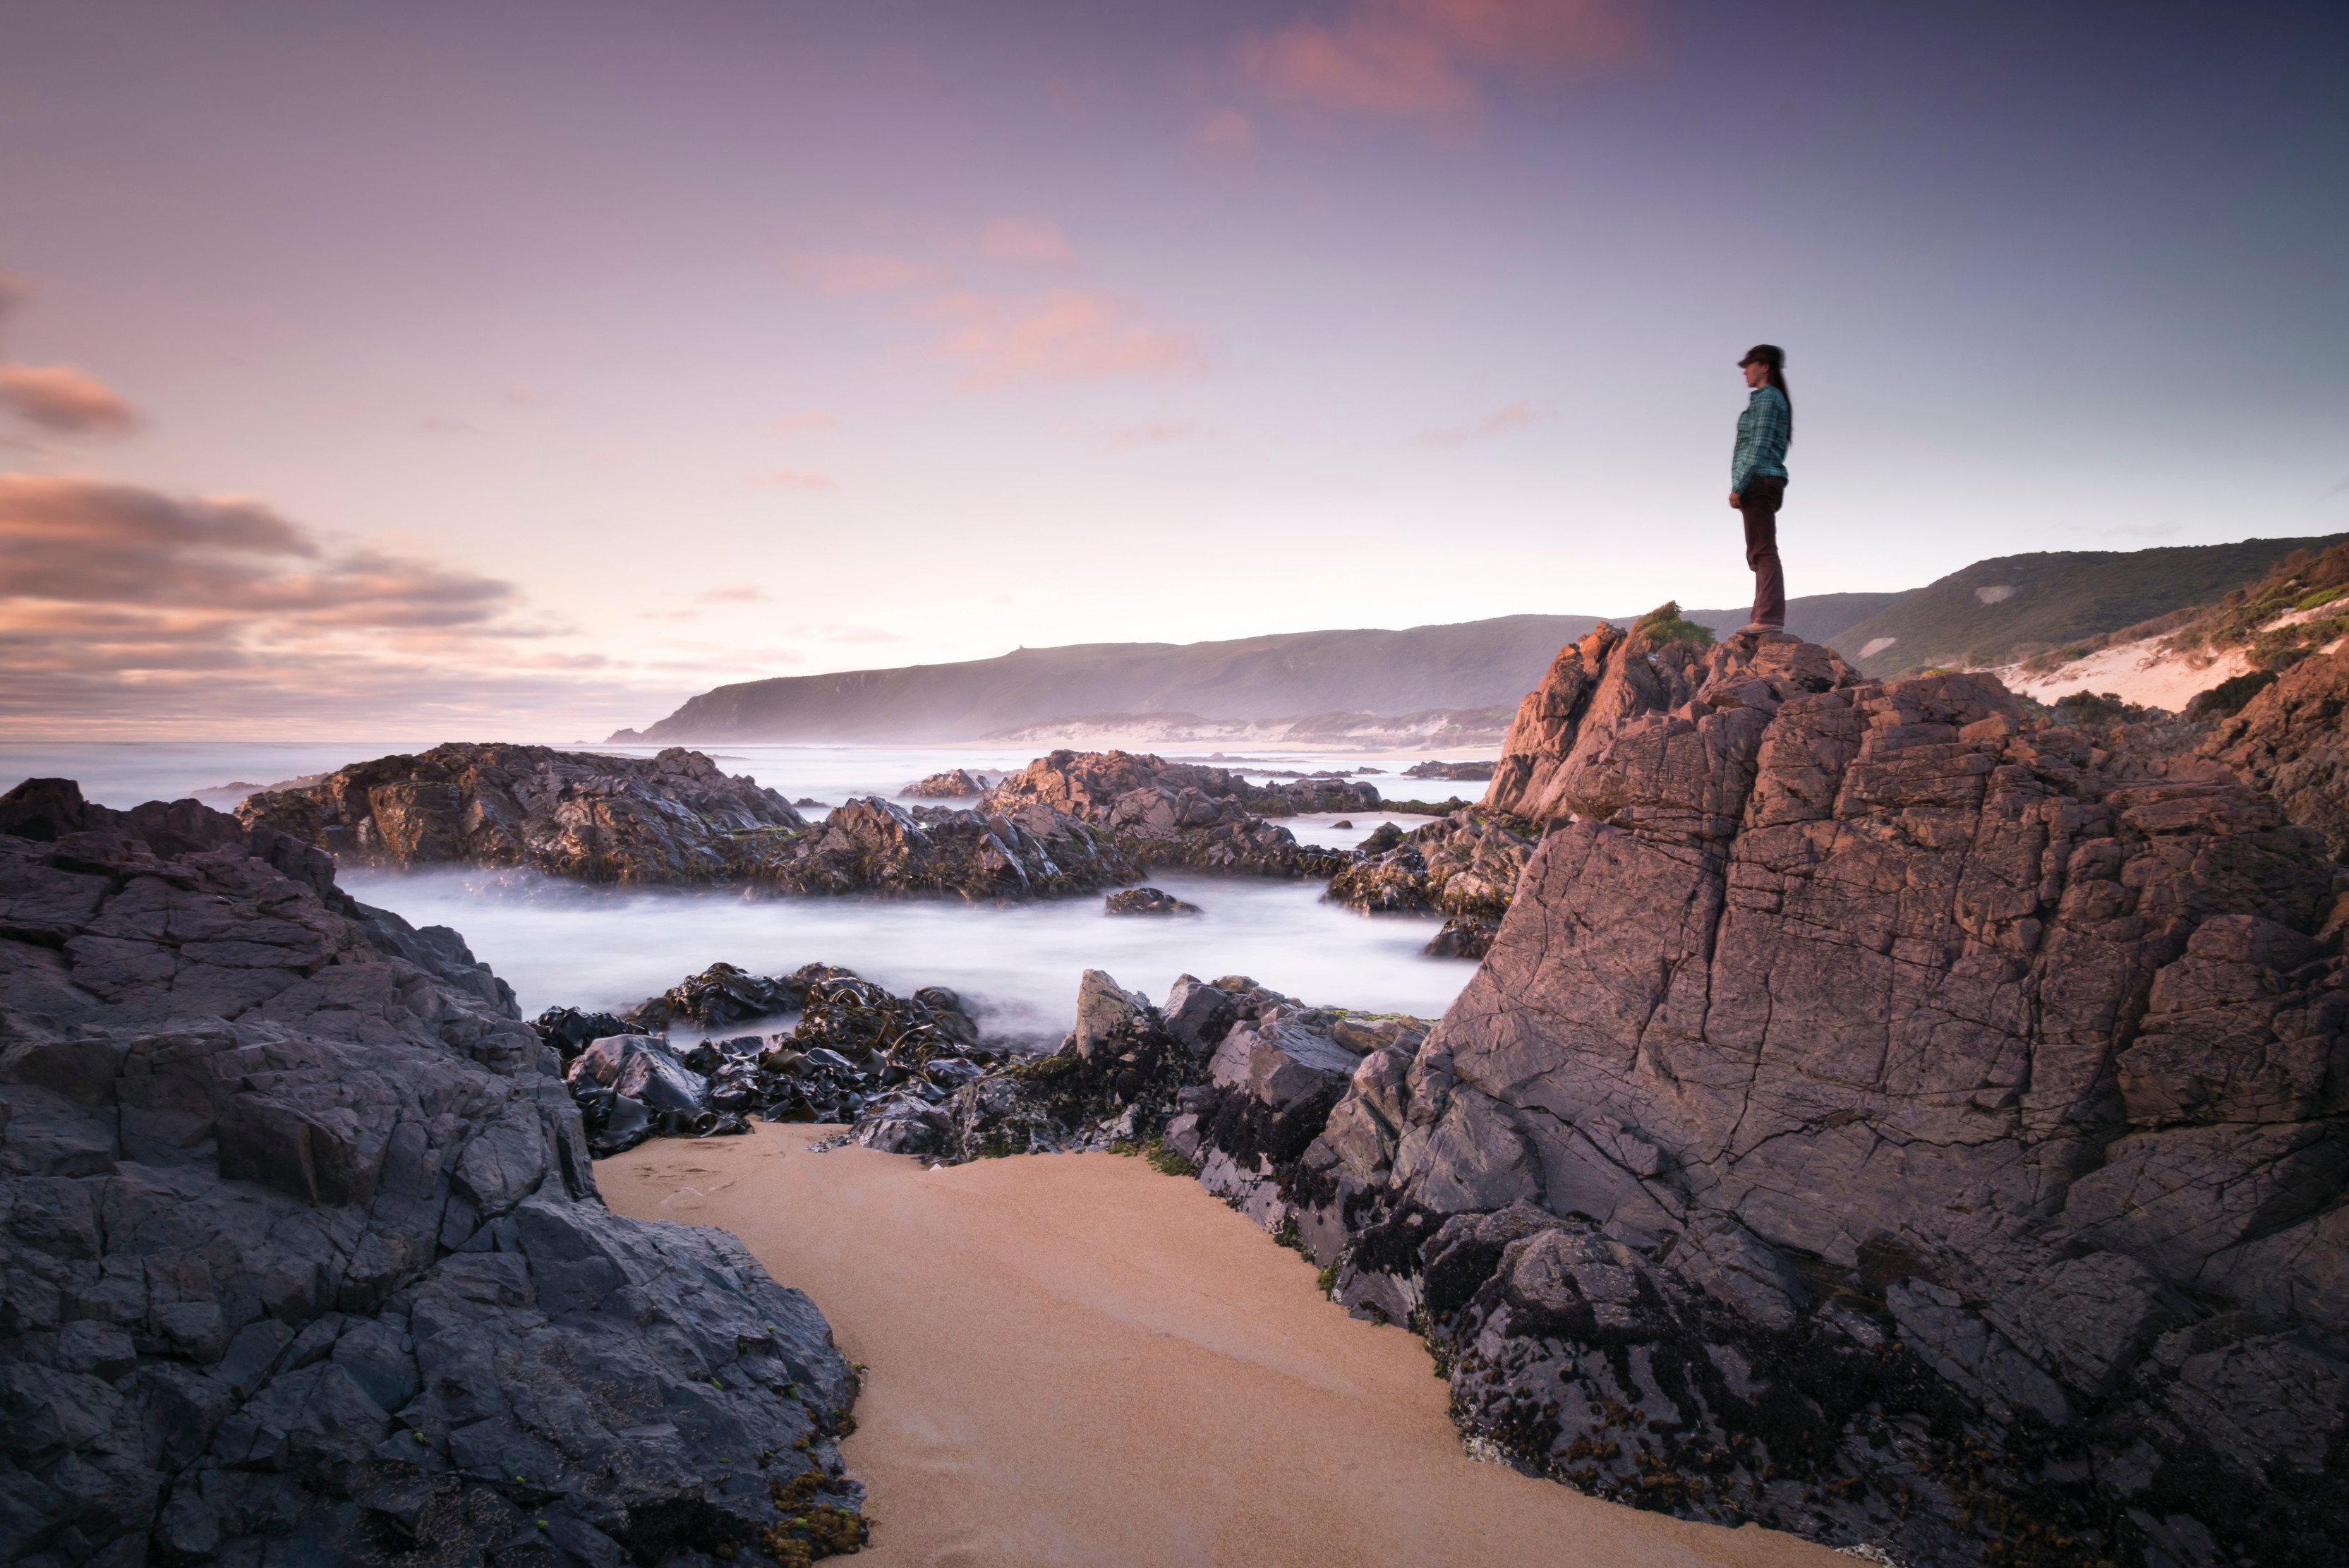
x,y
2013,608
2300,606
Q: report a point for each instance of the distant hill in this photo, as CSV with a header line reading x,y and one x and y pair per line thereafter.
x,y
1997,611
1470,665
1993,613
1474,664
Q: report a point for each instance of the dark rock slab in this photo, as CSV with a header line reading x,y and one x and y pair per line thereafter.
x,y
300,1251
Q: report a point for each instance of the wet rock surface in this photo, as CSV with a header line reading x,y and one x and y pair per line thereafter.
x,y
873,846
850,1046
1146,901
1465,865
671,818
1163,813
301,1256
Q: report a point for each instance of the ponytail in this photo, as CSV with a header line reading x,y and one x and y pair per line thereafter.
x,y
1772,359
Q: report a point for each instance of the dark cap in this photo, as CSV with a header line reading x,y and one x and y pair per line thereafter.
x,y
1769,354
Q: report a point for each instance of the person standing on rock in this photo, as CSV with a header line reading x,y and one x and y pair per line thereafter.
x,y
1757,479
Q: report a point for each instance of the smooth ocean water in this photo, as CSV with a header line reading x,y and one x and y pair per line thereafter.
x,y
561,942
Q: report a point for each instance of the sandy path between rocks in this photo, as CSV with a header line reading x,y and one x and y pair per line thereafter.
x,y
1076,1360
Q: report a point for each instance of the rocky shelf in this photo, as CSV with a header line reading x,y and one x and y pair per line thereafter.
x,y
301,1256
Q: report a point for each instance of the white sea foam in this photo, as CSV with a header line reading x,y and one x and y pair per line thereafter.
x,y
560,943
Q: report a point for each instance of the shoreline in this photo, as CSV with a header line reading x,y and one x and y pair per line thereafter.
x,y
1074,1359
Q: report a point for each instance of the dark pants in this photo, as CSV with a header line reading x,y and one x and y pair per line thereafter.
x,y
1760,501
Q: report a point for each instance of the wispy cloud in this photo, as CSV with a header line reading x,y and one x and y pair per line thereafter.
x,y
64,399
852,273
1516,416
1226,136
801,479
1423,59
436,424
1028,241
735,594
806,420
1066,334
123,605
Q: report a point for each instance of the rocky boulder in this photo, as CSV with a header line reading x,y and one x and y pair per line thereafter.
x,y
1182,813
1457,773
300,1251
954,784
1884,1115
2291,740
1465,865
1146,901
852,1046
872,846
674,817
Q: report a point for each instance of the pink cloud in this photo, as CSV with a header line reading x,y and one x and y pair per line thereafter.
x,y
791,479
807,420
1421,58
847,272
64,399
1226,136
735,594
1028,241
115,549
1514,415
1066,334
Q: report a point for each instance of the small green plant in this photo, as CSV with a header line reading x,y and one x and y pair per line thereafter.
x,y
1328,1281
1665,624
1169,1161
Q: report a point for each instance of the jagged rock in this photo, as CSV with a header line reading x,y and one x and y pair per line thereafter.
x,y
1458,772
1462,936
1955,1078
1465,865
300,1253
855,1049
954,784
674,817
1198,1013
1182,813
873,846
568,1030
1147,901
2289,738
718,998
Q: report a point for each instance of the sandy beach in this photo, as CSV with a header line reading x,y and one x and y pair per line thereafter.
x,y
1077,1360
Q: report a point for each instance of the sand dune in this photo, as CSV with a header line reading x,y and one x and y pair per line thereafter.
x,y
1076,1360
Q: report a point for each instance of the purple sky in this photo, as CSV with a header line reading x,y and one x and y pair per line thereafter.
x,y
520,370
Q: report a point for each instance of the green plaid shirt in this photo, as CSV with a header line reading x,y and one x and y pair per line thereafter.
x,y
1763,431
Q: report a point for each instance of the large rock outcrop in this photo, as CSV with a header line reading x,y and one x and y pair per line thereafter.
x,y
301,1256
674,817
1884,1115
1165,813
2291,738
873,846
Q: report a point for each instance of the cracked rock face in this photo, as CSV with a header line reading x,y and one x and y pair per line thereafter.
x,y
674,817
300,1248
2290,739
1181,814
1944,1119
